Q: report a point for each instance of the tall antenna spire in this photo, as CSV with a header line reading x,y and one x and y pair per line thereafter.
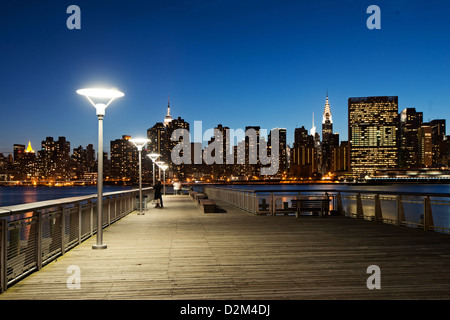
x,y
313,129
168,105
168,117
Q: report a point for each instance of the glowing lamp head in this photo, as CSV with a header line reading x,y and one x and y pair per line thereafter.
x,y
159,163
164,167
139,142
100,98
153,156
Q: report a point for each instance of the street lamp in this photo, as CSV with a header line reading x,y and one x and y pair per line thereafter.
x,y
164,167
103,95
140,143
153,157
159,163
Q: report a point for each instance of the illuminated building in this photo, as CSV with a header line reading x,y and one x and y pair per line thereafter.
x,y
303,155
160,136
282,149
330,141
124,159
372,131
410,122
425,145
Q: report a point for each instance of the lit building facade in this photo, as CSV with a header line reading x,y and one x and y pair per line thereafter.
x,y
373,138
410,122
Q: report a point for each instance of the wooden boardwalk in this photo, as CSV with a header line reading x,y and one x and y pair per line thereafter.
x,y
181,253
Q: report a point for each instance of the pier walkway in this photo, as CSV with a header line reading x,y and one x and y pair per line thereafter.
x,y
179,252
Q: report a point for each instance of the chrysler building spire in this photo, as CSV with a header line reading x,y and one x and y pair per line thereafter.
x,y
327,112
327,122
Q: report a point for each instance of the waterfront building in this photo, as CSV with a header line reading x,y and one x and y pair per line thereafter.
x,y
372,132
327,121
282,150
83,164
161,142
330,140
425,145
54,159
124,160
437,137
252,168
340,159
303,155
317,144
410,122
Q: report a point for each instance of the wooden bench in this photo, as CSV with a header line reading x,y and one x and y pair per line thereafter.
x,y
208,205
199,196
318,205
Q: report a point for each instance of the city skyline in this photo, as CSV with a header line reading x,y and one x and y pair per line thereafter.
x,y
239,64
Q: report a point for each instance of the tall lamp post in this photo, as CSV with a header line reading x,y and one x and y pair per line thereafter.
x,y
164,167
104,97
159,163
140,143
153,157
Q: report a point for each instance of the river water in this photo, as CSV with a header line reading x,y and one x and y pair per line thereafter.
x,y
19,195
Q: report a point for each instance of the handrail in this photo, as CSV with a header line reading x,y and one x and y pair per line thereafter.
x,y
19,208
405,193
33,234
428,211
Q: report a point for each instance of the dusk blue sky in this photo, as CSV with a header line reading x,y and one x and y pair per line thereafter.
x,y
232,62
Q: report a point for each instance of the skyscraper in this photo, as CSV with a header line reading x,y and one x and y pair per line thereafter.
x,y
425,144
124,159
303,160
329,140
437,137
160,136
282,149
168,117
372,131
410,122
327,122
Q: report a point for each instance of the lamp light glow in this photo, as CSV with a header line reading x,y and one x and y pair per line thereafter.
x,y
153,156
99,93
139,142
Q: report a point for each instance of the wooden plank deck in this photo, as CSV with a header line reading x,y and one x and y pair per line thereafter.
x,y
178,252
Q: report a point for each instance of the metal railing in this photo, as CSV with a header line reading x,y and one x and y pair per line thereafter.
x,y
32,235
428,211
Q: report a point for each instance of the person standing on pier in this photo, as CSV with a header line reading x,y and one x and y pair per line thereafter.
x,y
158,187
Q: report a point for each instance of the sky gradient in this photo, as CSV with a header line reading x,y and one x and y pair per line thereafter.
x,y
230,62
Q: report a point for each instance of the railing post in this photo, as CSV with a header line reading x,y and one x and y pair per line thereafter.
x,y
359,207
400,211
340,209
108,201
115,207
91,217
3,254
63,231
79,221
272,207
378,212
38,214
427,215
